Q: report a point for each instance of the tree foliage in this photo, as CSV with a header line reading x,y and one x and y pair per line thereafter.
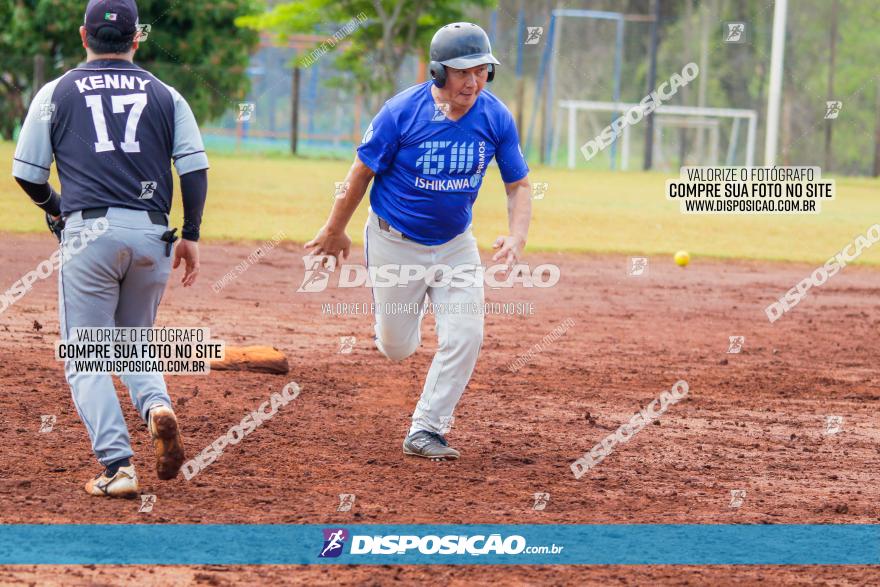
x,y
374,52
193,46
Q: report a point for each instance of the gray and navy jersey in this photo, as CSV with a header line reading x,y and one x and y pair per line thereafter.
x,y
113,129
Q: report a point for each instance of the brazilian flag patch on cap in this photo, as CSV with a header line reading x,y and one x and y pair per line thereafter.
x,y
110,16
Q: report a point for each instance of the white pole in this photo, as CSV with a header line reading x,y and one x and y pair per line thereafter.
x,y
773,100
555,148
714,136
551,86
572,139
731,145
750,140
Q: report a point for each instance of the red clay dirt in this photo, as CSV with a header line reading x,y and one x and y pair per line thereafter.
x,y
754,420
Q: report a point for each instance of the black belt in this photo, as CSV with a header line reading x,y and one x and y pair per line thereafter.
x,y
383,224
156,217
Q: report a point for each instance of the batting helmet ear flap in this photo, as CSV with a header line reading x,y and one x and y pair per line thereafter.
x,y
438,73
491,75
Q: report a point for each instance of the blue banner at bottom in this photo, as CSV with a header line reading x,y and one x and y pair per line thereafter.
x,y
465,544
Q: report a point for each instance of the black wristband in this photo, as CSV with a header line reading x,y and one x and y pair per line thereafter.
x,y
190,232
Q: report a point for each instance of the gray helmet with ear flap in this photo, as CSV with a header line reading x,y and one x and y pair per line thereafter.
x,y
460,45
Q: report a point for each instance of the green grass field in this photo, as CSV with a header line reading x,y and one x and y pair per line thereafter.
x,y
252,198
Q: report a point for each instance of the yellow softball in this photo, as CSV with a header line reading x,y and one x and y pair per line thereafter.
x,y
682,258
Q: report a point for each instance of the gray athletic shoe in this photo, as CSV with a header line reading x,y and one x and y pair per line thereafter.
x,y
429,445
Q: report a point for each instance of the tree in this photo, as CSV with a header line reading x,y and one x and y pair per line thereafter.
x,y
193,46
27,29
386,32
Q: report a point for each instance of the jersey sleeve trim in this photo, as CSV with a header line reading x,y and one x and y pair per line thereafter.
x,y
29,163
188,164
178,157
29,172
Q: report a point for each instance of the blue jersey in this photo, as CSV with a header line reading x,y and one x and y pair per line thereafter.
x,y
429,168
113,129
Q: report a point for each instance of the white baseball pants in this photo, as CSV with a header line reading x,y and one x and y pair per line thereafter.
x,y
458,314
116,281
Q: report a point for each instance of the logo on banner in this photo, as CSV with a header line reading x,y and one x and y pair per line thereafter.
x,y
334,540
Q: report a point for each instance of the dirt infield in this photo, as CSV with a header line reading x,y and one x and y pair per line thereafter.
x,y
753,421
438,575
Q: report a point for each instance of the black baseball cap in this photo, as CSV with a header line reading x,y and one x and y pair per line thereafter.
x,y
120,15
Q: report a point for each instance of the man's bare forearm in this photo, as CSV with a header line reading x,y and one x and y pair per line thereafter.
x,y
356,183
519,210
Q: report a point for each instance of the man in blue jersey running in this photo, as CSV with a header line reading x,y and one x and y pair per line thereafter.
x,y
427,152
